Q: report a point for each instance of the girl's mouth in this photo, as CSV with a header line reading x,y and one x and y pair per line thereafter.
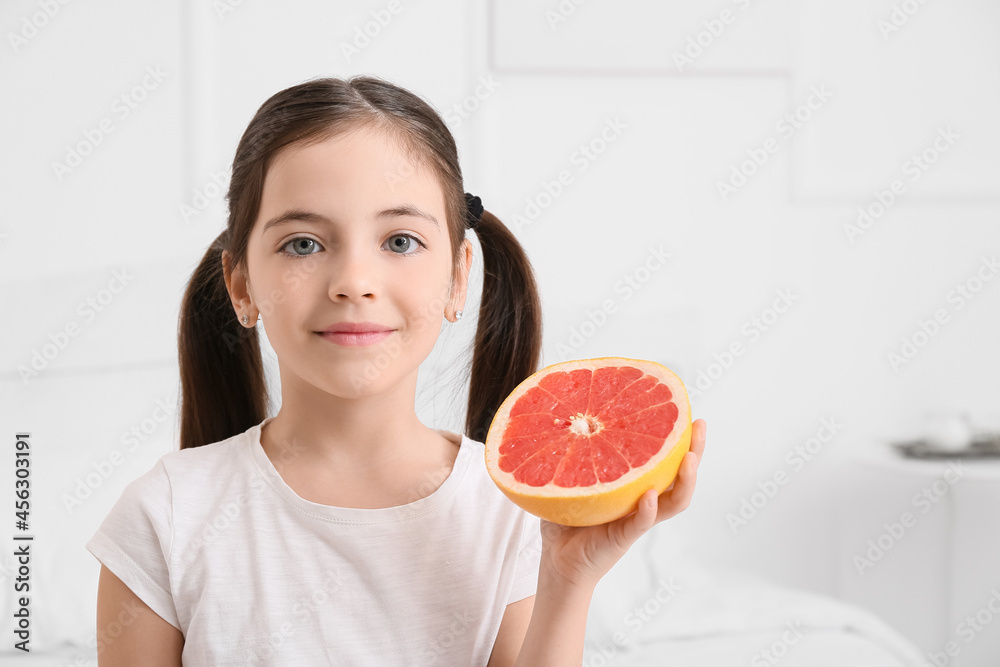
x,y
355,339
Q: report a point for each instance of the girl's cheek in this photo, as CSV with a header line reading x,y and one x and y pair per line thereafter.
x,y
276,298
301,271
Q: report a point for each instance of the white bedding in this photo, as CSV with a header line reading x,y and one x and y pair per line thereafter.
x,y
822,648
729,618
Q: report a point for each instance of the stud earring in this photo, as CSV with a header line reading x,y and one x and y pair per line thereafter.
x,y
244,319
458,315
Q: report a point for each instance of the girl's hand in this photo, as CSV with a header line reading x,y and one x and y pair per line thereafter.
x,y
578,556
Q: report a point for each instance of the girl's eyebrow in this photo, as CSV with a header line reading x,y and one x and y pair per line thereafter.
x,y
309,216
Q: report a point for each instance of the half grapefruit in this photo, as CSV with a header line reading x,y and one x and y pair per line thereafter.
x,y
578,442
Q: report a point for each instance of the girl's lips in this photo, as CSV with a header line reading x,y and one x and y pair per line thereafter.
x,y
355,339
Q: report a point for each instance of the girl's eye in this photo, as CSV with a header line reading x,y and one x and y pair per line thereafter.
x,y
404,242
301,246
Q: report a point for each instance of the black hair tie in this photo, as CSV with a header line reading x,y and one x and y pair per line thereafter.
x,y
475,210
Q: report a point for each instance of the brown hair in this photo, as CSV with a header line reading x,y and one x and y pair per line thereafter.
x,y
223,389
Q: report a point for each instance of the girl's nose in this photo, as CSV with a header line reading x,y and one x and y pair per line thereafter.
x,y
352,276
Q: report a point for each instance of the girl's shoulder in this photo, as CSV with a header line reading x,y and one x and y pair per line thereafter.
x,y
481,484
216,461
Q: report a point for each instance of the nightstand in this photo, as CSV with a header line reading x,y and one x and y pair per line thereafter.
x,y
919,544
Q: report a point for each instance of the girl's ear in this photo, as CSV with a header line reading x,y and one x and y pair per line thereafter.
x,y
236,285
461,286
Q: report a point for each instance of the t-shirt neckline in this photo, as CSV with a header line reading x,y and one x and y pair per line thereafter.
x,y
358,515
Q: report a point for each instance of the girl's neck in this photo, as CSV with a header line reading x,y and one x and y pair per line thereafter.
x,y
393,474
374,445
326,427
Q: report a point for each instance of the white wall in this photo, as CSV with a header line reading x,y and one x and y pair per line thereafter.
x,y
655,186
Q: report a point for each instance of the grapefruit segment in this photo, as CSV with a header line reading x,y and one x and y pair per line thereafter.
x,y
579,442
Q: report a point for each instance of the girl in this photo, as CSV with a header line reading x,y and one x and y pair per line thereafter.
x,y
342,530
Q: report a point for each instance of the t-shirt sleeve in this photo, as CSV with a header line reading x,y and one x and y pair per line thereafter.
x,y
528,558
135,538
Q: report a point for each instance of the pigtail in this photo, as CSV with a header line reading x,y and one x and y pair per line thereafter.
x,y
509,333
223,391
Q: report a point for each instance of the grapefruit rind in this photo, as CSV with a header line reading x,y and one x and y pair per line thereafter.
x,y
599,503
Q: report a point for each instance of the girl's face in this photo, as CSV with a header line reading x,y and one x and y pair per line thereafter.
x,y
342,237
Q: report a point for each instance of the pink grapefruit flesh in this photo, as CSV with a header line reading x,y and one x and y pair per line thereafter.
x,y
578,442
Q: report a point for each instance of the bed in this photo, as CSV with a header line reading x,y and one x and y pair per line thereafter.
x,y
669,612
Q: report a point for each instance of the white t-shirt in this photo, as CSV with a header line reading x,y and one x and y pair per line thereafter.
x,y
216,543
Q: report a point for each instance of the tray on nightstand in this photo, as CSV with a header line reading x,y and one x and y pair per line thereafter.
x,y
979,447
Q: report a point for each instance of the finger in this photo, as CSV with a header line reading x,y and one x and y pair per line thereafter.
x,y
678,497
640,521
683,469
688,473
699,431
